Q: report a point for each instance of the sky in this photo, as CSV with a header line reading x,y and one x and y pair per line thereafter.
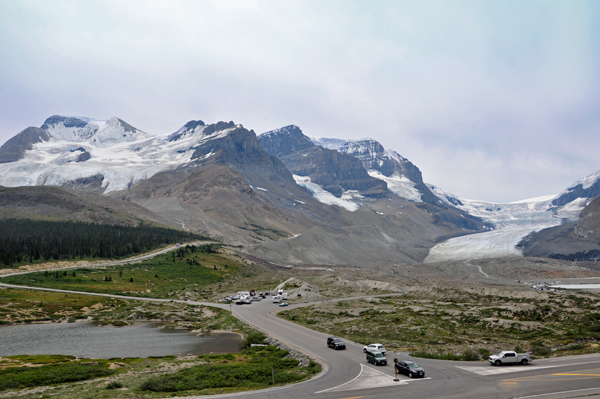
x,y
492,100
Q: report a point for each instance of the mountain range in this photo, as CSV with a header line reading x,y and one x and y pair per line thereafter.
x,y
283,196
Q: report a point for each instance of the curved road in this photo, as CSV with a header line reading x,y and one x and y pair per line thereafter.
x,y
347,375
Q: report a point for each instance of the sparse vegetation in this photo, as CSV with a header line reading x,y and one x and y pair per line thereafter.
x,y
186,270
463,323
52,373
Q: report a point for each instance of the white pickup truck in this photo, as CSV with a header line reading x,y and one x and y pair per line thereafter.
x,y
510,357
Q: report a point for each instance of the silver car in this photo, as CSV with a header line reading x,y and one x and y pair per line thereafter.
x,y
374,347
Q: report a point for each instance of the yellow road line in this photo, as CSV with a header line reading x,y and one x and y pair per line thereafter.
x,y
582,375
288,327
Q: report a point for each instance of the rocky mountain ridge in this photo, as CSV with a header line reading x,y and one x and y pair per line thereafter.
x,y
283,196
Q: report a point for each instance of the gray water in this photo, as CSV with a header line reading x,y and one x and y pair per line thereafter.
x,y
86,339
577,286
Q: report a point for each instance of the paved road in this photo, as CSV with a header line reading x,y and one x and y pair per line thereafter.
x,y
348,376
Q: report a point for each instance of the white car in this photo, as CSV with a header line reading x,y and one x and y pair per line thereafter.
x,y
375,347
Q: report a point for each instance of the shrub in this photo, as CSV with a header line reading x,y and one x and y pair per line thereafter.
x,y
253,337
114,385
26,377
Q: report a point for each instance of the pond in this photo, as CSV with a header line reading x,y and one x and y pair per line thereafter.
x,y
577,286
87,339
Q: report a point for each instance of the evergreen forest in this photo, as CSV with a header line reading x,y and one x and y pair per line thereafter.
x,y
29,241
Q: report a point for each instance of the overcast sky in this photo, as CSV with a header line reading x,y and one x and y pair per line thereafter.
x,y
495,100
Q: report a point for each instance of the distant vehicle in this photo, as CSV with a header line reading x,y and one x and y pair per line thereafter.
x,y
411,369
375,347
283,304
276,298
280,292
336,343
285,296
256,298
510,357
240,302
262,297
376,358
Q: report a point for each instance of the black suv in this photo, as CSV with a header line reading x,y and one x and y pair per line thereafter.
x,y
336,343
410,369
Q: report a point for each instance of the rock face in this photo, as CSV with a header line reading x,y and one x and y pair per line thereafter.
x,y
285,141
389,163
336,172
15,148
61,203
588,226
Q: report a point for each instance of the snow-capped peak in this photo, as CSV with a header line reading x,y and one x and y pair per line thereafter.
x,y
70,128
99,133
586,182
285,129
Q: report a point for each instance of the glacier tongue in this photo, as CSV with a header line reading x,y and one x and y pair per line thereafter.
x,y
513,222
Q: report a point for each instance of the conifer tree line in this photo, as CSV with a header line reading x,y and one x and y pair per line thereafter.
x,y
23,240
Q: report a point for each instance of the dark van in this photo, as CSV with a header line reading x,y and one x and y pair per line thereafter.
x,y
376,358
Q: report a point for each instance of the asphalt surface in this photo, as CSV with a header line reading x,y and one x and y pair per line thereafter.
x,y
347,375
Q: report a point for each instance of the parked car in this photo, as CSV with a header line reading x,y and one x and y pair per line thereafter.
x,y
376,358
240,302
336,343
510,357
375,347
283,304
411,369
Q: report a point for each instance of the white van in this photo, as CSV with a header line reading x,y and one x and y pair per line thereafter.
x,y
285,296
280,292
276,298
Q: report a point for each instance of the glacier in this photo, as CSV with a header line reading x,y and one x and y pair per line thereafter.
x,y
117,151
513,222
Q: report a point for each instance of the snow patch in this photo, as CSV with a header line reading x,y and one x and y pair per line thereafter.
x,y
399,185
347,200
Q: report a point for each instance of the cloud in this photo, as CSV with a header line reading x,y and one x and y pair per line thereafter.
x,y
500,91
